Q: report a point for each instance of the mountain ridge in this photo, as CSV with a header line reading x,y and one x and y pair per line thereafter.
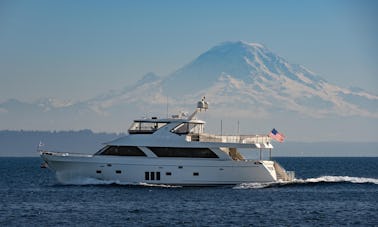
x,y
241,80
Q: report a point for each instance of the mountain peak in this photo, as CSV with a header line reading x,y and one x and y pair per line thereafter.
x,y
241,48
255,45
245,61
230,58
242,43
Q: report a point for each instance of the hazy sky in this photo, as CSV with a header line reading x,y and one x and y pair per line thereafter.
x,y
74,50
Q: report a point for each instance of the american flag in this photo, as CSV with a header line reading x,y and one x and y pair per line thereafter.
x,y
276,135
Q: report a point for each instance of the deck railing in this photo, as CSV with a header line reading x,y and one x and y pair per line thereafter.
x,y
245,139
57,153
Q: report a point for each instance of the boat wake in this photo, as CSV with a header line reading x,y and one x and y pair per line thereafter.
x,y
322,179
65,180
82,181
94,181
87,181
159,185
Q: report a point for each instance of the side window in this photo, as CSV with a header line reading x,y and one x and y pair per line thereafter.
x,y
183,152
122,151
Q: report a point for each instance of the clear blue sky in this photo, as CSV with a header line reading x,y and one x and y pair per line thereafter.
x,y
74,50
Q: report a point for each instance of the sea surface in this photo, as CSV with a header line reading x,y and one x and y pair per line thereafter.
x,y
327,192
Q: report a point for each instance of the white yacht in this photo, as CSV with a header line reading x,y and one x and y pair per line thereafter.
x,y
172,151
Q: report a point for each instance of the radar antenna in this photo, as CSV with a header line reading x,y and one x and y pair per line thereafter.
x,y
201,106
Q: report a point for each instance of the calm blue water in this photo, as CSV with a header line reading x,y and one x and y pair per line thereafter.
x,y
329,192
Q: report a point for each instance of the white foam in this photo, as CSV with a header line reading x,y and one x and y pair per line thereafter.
x,y
322,179
68,180
86,181
258,185
94,181
159,185
335,179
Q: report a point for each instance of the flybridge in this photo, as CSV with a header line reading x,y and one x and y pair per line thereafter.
x,y
194,129
183,125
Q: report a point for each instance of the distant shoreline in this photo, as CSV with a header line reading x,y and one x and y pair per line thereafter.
x,y
24,144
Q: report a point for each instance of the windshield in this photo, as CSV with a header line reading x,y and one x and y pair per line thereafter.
x,y
140,127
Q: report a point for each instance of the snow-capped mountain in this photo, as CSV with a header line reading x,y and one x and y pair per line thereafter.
x,y
241,81
261,80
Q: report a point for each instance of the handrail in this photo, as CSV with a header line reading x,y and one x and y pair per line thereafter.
x,y
57,153
244,139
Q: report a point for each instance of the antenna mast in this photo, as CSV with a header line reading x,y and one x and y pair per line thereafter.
x,y
167,106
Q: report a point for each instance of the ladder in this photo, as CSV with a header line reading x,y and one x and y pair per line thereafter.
x,y
282,174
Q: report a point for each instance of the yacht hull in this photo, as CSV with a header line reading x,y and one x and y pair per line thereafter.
x,y
84,169
171,151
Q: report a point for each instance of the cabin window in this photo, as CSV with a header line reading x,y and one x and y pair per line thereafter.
x,y
118,171
195,174
183,152
147,175
168,174
98,171
122,151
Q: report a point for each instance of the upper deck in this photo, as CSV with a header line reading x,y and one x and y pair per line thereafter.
x,y
189,129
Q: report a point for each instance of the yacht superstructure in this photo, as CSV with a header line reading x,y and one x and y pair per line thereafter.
x,y
172,151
